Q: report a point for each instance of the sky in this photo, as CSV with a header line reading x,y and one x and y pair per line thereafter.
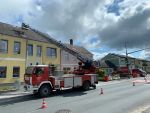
x,y
101,26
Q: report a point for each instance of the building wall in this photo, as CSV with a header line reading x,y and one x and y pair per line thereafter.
x,y
44,59
49,60
33,59
10,59
68,61
137,63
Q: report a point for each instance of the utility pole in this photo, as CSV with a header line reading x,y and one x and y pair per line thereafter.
x,y
127,64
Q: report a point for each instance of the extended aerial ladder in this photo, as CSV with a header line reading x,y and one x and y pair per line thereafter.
x,y
63,46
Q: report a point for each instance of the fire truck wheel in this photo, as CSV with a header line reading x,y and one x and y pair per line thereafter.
x,y
86,85
94,86
44,91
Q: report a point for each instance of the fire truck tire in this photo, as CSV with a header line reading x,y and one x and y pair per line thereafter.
x,y
86,85
58,90
44,90
94,86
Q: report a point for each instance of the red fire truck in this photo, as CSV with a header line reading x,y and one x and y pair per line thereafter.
x,y
43,79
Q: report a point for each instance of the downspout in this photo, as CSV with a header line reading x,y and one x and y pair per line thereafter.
x,y
26,53
60,60
42,54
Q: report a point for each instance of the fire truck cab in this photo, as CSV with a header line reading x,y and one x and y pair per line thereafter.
x,y
43,79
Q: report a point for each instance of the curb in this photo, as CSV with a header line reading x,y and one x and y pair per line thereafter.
x,y
2,92
15,99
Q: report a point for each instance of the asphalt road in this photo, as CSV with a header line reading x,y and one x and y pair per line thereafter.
x,y
121,97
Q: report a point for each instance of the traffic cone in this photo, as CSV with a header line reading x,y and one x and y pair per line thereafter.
x,y
133,83
101,91
44,104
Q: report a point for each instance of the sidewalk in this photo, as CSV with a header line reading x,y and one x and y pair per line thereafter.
x,y
10,96
13,94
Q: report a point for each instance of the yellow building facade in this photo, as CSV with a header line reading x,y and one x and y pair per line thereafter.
x,y
20,48
10,61
44,58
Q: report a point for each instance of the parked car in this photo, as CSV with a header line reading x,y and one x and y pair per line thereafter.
x,y
138,72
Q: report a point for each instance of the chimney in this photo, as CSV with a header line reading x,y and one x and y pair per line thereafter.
x,y
71,41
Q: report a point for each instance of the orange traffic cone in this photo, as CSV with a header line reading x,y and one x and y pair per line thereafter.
x,y
44,104
101,91
133,83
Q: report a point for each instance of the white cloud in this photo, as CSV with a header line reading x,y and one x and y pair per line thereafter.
x,y
98,56
145,54
12,9
129,8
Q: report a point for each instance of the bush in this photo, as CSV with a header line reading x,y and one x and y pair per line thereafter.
x,y
101,74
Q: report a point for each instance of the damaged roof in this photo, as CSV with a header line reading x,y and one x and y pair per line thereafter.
x,y
29,34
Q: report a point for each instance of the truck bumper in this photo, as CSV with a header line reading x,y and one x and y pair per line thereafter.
x,y
30,88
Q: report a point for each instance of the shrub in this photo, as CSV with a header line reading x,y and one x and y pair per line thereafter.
x,y
101,74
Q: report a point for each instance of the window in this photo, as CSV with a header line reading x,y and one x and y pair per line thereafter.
x,y
66,55
39,70
38,51
16,71
4,46
3,71
30,50
66,68
51,52
17,47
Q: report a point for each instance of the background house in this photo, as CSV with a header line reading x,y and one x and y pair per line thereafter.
x,y
120,61
71,58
